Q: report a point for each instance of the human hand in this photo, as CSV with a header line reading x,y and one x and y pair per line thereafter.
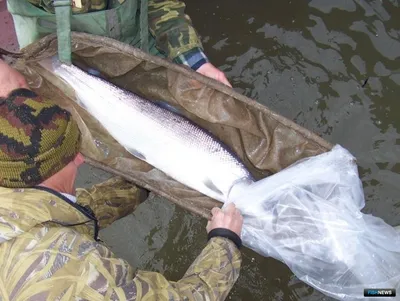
x,y
227,218
10,79
209,70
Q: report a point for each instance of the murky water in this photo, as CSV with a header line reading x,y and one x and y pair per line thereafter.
x,y
334,68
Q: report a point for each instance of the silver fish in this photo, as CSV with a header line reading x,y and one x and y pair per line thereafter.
x,y
166,140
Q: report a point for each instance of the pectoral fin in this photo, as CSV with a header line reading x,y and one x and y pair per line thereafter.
x,y
136,153
210,185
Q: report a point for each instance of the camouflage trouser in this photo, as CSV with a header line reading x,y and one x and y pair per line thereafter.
x,y
112,199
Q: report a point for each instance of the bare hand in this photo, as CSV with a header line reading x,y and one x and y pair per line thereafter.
x,y
228,218
10,79
209,70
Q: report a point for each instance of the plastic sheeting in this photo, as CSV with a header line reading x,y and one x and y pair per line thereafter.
x,y
308,216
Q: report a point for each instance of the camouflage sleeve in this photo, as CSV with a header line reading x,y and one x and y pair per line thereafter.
x,y
210,277
111,200
172,28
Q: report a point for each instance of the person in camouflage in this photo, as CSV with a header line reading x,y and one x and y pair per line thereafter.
x,y
170,28
49,248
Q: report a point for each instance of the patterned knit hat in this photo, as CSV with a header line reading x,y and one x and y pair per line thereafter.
x,y
37,139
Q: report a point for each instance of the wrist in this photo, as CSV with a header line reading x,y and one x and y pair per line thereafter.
x,y
226,233
193,58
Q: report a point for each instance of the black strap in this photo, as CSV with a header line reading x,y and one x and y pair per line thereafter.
x,y
85,210
226,233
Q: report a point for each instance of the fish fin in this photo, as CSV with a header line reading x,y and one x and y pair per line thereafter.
x,y
82,104
91,71
136,153
240,187
94,72
210,185
168,107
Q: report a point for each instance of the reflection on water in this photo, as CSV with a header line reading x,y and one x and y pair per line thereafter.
x,y
334,68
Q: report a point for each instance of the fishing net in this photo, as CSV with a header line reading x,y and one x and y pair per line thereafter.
x,y
264,140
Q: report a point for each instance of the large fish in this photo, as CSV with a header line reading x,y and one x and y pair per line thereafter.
x,y
166,140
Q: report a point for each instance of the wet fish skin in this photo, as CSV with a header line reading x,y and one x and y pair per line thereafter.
x,y
166,140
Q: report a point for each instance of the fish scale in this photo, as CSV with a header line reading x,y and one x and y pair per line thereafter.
x,y
168,141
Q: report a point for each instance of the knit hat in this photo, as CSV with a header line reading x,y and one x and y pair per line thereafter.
x,y
37,139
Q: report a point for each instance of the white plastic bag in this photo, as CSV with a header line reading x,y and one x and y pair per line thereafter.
x,y
308,216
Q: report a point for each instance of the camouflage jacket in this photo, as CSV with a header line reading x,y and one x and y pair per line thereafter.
x,y
173,30
48,252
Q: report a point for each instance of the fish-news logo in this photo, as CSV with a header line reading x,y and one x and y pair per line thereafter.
x,y
379,292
